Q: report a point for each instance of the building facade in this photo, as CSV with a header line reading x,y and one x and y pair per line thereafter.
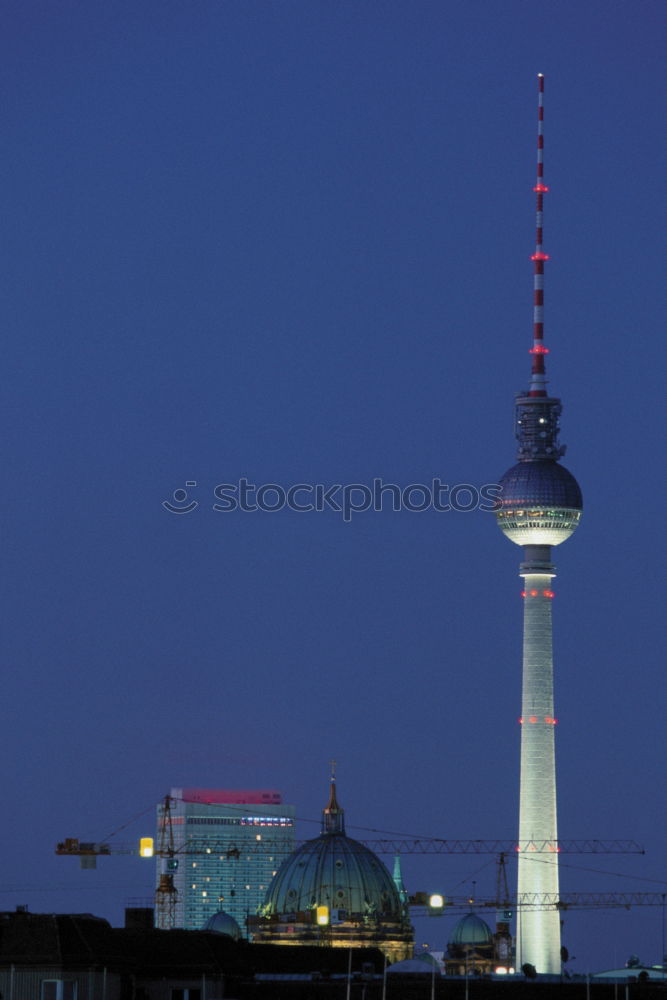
x,y
227,846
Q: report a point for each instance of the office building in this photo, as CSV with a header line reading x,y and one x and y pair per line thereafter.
x,y
227,846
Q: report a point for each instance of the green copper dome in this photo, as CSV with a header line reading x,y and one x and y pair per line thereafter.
x,y
335,871
333,890
471,930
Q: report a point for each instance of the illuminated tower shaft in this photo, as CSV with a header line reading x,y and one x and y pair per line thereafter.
x,y
538,937
540,506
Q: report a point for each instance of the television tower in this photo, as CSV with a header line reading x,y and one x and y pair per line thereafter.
x,y
540,506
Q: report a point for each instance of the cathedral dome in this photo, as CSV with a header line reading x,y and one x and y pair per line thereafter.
x,y
335,890
335,871
223,923
540,503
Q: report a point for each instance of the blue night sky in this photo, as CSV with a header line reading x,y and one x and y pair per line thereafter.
x,y
289,241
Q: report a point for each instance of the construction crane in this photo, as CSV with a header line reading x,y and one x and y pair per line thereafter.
x,y
506,904
504,911
73,847
166,894
562,901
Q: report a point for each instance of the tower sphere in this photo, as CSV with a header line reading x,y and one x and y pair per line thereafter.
x,y
540,504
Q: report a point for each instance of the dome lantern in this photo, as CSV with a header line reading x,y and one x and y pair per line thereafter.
x,y
333,816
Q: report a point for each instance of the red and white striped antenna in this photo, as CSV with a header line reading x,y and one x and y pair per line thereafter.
x,y
538,350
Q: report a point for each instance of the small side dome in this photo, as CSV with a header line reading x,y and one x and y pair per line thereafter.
x,y
422,965
223,923
471,930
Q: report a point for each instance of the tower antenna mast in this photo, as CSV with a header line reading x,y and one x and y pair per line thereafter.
x,y
538,350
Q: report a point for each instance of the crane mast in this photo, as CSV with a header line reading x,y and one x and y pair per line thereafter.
x,y
166,893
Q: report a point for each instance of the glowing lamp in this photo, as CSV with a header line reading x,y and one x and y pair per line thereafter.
x,y
436,904
322,913
539,256
146,847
